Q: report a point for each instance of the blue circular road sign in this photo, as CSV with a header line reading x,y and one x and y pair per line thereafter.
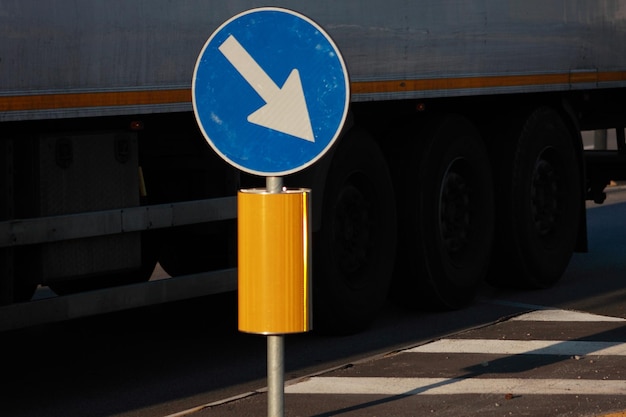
x,y
270,91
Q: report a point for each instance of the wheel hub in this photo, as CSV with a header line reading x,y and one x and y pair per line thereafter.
x,y
455,211
544,197
352,230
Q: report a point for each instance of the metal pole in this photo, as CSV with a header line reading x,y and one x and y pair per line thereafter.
x,y
274,184
275,346
275,375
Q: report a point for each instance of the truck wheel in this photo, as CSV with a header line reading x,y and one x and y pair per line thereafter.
x,y
446,204
540,205
355,247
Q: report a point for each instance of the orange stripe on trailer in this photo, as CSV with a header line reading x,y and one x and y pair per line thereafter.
x,y
93,99
456,83
369,87
58,101
612,76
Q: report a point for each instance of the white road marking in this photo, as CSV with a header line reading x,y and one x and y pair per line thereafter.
x,y
448,386
522,347
515,386
565,315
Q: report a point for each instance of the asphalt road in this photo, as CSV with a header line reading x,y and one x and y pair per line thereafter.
x,y
183,357
553,360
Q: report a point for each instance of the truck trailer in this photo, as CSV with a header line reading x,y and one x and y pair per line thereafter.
x,y
461,160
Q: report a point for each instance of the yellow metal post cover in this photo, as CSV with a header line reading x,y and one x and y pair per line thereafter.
x,y
274,261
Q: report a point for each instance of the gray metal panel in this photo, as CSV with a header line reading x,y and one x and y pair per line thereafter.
x,y
131,45
100,223
469,38
108,300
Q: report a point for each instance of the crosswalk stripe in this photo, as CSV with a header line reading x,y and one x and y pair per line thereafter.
x,y
522,347
408,386
448,386
565,315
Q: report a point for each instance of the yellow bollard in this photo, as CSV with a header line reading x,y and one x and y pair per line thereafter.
x,y
274,261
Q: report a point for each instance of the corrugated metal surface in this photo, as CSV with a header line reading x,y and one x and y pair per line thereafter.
x,y
84,57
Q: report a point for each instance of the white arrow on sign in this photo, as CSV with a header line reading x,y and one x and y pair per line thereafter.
x,y
285,109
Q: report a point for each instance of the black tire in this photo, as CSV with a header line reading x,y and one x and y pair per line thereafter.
x,y
539,204
354,249
446,206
